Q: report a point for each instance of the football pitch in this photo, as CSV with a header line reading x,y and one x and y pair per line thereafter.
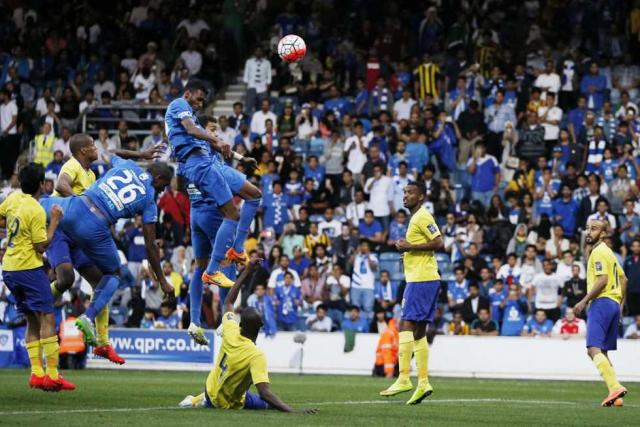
x,y
150,398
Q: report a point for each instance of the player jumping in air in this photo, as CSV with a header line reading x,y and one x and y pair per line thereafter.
x,y
420,295
24,274
192,145
239,363
606,287
75,178
125,191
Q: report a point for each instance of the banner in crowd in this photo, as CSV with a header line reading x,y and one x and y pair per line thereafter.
x,y
13,352
165,346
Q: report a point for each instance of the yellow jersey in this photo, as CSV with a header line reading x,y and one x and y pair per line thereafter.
x,y
427,77
26,225
603,261
421,266
239,364
81,179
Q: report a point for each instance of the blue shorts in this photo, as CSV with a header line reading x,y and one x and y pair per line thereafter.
x,y
91,233
205,222
419,301
251,401
31,289
207,177
62,250
602,324
235,179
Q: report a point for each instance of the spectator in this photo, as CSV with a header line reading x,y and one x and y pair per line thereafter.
x,y
484,324
356,148
192,58
177,205
515,310
54,166
168,318
43,146
546,291
365,264
193,25
564,209
457,326
386,292
509,273
633,330
550,117
592,87
149,319
387,351
548,81
277,277
313,286
473,304
288,300
497,296
314,237
62,144
557,244
380,190
370,228
632,271
531,143
276,212
496,116
485,173
457,289
257,77
570,326
264,304
402,107
355,322
356,210
320,322
538,326
397,228
151,291
9,137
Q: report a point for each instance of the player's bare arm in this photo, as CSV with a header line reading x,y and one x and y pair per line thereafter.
x,y
56,216
275,402
432,245
232,296
63,186
153,253
200,133
150,153
595,291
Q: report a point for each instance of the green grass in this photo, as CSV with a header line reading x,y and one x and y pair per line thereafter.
x,y
149,399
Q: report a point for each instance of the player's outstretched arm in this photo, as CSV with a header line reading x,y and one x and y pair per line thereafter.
x,y
153,254
151,153
275,402
232,296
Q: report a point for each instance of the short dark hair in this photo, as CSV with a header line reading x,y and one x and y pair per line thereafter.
x,y
205,119
31,177
194,85
161,169
419,185
78,142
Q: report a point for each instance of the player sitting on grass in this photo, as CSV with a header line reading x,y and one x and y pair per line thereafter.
x,y
240,362
606,286
23,272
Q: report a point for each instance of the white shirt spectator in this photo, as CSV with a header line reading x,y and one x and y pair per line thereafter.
x,y
330,228
506,270
276,279
356,158
402,108
337,285
105,86
564,271
609,217
258,119
380,194
130,64
257,74
355,212
551,131
550,82
62,145
138,14
193,28
7,112
228,135
86,107
323,325
363,276
146,83
546,288
104,149
632,331
307,129
551,248
41,106
192,60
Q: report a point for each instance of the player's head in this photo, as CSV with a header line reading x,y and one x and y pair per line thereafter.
x,y
596,231
194,93
83,148
208,122
31,178
162,174
415,194
250,323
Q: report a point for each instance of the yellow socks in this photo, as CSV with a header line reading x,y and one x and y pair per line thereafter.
x,y
102,326
35,356
54,291
404,354
51,353
421,353
606,371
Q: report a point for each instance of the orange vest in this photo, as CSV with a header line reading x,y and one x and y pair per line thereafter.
x,y
71,339
387,351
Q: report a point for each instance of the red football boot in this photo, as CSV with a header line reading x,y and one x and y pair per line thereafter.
x,y
59,384
35,381
107,352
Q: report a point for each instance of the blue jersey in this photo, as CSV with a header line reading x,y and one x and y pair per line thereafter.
x,y
125,191
181,142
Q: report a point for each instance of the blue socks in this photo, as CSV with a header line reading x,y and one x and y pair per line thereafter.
x,y
247,213
102,295
195,295
224,239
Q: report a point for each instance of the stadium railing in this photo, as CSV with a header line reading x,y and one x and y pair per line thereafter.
x,y
139,117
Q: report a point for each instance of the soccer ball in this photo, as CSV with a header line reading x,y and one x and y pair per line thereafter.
x,y
291,48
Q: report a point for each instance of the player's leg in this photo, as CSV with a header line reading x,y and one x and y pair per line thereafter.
x,y
59,256
34,350
252,197
602,324
53,380
253,401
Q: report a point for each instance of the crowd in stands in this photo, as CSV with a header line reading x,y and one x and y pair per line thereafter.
x,y
521,130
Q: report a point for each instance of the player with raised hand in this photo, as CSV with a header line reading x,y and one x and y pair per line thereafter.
x,y
193,145
240,362
606,287
63,255
23,272
125,191
423,239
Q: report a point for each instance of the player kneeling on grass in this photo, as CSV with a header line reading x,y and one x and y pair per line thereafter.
x,y
24,274
240,363
606,288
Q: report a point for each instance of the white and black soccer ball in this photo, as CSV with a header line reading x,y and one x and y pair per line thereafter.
x,y
292,48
